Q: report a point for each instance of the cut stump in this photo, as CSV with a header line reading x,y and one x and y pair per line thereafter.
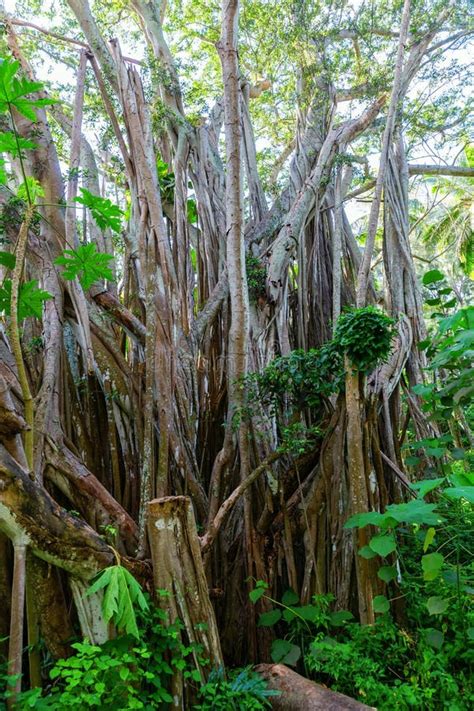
x,y
178,572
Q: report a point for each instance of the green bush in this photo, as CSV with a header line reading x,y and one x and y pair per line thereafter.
x,y
365,336
242,690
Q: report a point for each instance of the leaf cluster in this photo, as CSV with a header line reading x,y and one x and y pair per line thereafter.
x,y
365,336
121,594
86,264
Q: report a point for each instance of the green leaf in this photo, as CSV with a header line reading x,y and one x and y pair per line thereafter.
x,y
437,605
30,190
434,638
14,145
7,259
460,492
381,604
432,564
427,485
308,612
285,652
415,511
14,91
429,538
104,212
101,581
340,617
387,573
86,264
256,594
432,276
268,619
30,299
290,598
383,544
121,592
436,452
367,553
364,519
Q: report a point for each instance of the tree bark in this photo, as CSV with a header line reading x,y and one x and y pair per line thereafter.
x,y
178,570
300,694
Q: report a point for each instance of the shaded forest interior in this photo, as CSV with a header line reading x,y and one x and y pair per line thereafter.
x,y
236,354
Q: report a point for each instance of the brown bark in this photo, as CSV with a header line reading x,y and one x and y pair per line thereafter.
x,y
178,570
5,594
15,647
300,694
26,509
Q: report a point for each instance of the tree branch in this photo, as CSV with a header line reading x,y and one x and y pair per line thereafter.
x,y
426,169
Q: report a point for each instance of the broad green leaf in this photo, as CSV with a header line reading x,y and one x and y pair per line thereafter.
x,y
30,190
432,564
460,492
381,604
434,638
30,299
290,597
101,581
340,617
415,511
383,544
436,605
104,212
270,618
436,452
427,485
14,145
3,173
432,277
364,519
290,614
412,461
285,652
7,259
110,601
121,591
15,91
387,573
86,264
429,538
308,612
256,594
367,553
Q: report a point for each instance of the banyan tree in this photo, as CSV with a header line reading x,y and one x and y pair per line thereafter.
x,y
216,203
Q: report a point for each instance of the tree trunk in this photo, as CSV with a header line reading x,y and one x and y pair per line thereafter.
x,y
178,570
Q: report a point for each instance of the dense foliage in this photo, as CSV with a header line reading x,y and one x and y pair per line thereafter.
x,y
236,352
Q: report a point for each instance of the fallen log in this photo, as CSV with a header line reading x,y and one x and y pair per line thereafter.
x,y
300,694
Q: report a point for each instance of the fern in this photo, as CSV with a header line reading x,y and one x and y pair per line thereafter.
x,y
104,212
86,264
121,593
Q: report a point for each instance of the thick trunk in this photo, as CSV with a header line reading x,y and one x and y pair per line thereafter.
x,y
178,570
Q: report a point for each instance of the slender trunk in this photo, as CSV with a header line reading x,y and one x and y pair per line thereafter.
x,y
364,270
15,649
